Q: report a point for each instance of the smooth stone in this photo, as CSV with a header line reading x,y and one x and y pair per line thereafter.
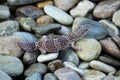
x,y
36,68
106,9
49,76
69,55
112,28
63,17
65,4
66,74
91,74
28,37
117,78
84,65
116,39
26,23
82,8
30,58
4,12
11,65
116,18
64,30
44,3
54,65
9,46
96,30
42,29
29,11
98,65
109,60
7,28
4,76
117,73
44,20
35,76
73,67
109,77
91,49
21,2
47,57
110,47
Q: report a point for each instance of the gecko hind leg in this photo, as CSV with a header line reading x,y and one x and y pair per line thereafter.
x,y
76,47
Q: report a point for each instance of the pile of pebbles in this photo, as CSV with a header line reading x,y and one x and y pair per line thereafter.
x,y
28,20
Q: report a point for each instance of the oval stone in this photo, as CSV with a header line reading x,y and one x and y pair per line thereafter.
x,y
63,17
50,76
35,76
4,76
11,65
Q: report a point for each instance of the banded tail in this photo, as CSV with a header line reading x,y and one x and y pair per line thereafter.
x,y
77,34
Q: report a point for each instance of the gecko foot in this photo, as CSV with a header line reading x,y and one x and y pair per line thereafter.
x,y
78,48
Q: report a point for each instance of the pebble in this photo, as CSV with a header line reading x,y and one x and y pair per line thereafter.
x,y
112,28
49,76
54,65
84,65
63,4
44,20
109,60
7,28
116,18
63,17
26,23
29,11
21,2
47,57
44,3
91,49
66,74
118,73
4,76
98,65
91,74
9,46
42,29
96,30
82,8
69,55
35,76
4,12
117,78
110,47
30,58
36,68
106,9
11,65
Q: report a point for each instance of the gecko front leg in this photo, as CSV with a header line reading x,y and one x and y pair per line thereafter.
x,y
75,47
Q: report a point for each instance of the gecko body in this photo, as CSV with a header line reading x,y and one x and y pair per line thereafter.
x,y
45,44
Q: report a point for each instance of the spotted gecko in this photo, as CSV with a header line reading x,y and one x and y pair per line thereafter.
x,y
45,44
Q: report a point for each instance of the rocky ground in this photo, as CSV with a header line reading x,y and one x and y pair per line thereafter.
x,y
28,20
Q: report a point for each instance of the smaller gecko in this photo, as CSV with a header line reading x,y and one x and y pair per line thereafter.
x,y
45,44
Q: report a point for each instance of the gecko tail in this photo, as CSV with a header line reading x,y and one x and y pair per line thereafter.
x,y
27,46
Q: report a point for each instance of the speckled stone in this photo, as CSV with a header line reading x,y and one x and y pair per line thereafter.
x,y
35,76
49,76
11,65
4,76
106,8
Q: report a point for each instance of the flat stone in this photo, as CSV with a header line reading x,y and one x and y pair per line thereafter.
x,y
36,68
63,17
9,46
116,18
35,76
44,20
102,66
65,4
50,76
4,12
110,47
91,49
7,28
66,74
91,74
11,65
106,9
84,65
4,76
82,8
21,2
47,57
